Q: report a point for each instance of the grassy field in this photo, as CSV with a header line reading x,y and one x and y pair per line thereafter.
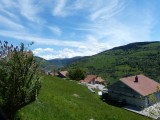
x,y
66,100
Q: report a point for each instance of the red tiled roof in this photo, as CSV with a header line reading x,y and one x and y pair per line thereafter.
x,y
81,80
144,86
89,78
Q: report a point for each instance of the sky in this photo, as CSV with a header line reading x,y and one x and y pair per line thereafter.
x,y
69,28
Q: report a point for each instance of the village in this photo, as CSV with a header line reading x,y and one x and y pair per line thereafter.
x,y
138,94
79,59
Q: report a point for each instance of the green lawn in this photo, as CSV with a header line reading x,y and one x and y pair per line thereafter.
x,y
66,100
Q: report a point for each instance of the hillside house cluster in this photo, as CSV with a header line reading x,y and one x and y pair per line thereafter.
x,y
135,90
93,79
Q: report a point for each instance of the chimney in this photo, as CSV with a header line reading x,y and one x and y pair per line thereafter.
x,y
136,79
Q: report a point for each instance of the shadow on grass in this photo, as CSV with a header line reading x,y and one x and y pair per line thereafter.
x,y
122,104
105,98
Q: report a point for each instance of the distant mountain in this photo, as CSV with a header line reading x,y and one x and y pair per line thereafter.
x,y
61,62
55,63
131,59
44,64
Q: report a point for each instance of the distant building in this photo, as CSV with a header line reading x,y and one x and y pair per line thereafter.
x,y
62,74
99,80
93,79
53,73
135,90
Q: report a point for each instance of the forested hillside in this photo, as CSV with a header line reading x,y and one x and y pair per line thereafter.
x,y
44,64
61,62
131,59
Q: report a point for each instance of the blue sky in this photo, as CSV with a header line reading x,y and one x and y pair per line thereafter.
x,y
68,28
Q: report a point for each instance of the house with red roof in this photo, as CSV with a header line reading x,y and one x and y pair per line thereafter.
x,y
135,90
93,79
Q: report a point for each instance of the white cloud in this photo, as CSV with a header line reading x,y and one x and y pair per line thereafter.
x,y
56,30
59,8
64,8
67,53
90,41
104,24
5,5
40,40
89,47
64,53
49,53
30,10
107,10
8,3
107,25
39,51
7,23
8,13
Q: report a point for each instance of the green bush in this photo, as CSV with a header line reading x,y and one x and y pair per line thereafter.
x,y
77,74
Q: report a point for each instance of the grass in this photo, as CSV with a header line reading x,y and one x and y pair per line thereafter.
x,y
66,100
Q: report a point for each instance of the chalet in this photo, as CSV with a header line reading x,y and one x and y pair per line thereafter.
x,y
135,90
62,74
93,79
99,80
54,73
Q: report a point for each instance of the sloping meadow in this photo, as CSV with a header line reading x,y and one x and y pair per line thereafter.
x,y
66,100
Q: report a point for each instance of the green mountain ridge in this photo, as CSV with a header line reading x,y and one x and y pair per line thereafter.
x,y
127,60
44,64
61,62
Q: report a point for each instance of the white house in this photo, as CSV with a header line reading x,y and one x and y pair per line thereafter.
x,y
136,90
